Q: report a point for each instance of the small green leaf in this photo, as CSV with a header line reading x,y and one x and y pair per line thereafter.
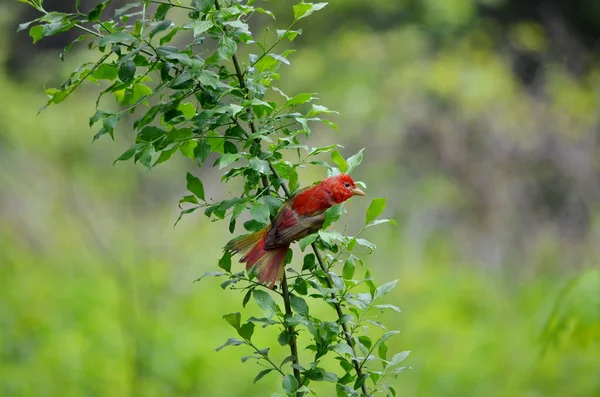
x,y
246,331
228,159
388,306
231,342
332,214
261,374
299,305
354,161
188,109
105,72
234,319
398,358
299,99
349,267
203,5
259,165
200,27
375,209
382,351
227,47
264,300
308,240
127,71
160,27
260,212
209,274
384,289
302,10
365,341
309,261
36,33
225,261
290,384
161,11
121,37
127,154
195,186
339,161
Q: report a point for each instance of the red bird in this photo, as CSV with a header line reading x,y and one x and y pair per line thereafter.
x,y
301,215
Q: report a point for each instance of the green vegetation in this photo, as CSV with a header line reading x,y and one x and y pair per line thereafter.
x,y
97,286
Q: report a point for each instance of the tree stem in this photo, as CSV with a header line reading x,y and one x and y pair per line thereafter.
x,y
265,181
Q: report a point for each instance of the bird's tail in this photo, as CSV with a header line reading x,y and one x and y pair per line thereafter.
x,y
268,263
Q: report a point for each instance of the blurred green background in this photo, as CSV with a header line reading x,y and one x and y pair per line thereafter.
x,y
481,122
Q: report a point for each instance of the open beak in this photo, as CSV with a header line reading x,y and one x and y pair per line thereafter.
x,y
357,192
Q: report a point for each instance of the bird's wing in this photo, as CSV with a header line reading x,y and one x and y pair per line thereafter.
x,y
288,227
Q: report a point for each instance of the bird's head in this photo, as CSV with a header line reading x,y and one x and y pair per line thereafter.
x,y
341,188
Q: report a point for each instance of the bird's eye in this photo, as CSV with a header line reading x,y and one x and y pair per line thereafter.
x,y
347,184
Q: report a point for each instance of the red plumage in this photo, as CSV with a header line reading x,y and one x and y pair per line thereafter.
x,y
301,215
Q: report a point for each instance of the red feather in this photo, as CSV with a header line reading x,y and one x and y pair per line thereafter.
x,y
300,216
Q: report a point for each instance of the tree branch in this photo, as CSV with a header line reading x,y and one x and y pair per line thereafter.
x,y
265,181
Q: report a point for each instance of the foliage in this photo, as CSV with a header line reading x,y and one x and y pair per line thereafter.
x,y
202,102
576,312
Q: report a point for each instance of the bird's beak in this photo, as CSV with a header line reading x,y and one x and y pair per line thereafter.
x,y
357,192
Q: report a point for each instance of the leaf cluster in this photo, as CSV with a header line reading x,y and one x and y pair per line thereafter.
x,y
187,92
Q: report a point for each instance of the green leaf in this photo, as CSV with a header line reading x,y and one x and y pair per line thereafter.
x,y
127,154
264,300
354,161
227,47
203,5
121,37
228,159
260,212
349,267
127,71
259,165
290,384
160,27
195,186
293,180
299,305
299,99
332,214
308,240
209,274
234,319
202,151
385,288
302,10
225,261
246,331
388,306
398,358
161,11
375,209
231,342
261,374
36,33
382,351
309,261
105,72
339,161
188,109
121,11
254,226
200,27
188,149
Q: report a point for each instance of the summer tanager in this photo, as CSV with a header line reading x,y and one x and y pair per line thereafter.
x,y
301,215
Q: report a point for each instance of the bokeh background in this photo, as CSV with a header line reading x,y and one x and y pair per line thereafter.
x,y
481,122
